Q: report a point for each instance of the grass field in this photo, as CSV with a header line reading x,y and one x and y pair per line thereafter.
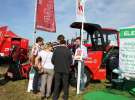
x,y
17,90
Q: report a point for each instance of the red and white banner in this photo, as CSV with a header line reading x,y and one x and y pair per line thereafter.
x,y
45,17
80,5
80,10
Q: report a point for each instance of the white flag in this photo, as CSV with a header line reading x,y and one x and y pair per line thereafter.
x,y
80,10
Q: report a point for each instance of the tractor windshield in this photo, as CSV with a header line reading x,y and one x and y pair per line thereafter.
x,y
97,38
93,35
110,37
86,38
113,39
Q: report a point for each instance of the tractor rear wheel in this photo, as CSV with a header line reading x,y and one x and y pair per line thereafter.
x,y
86,77
112,63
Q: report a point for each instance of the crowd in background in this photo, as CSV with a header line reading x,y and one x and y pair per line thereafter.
x,y
52,65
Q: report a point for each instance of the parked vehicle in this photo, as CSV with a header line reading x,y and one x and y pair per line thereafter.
x,y
12,47
103,50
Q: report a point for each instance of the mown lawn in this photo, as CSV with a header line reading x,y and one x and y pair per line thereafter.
x,y
17,90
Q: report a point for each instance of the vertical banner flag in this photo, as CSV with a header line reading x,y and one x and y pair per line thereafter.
x,y
127,52
80,10
45,17
80,5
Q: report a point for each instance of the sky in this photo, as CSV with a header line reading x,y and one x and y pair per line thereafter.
x,y
19,16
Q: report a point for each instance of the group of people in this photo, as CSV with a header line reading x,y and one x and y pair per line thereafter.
x,y
52,65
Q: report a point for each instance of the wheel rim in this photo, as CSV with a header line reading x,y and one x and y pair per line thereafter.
x,y
85,78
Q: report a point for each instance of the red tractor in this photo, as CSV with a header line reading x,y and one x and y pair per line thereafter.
x,y
102,45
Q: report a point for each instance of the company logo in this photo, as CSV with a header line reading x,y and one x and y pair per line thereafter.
x,y
129,33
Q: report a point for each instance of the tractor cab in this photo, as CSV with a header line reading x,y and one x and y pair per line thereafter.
x,y
111,37
98,38
100,43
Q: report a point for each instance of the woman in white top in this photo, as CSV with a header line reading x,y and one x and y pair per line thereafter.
x,y
48,69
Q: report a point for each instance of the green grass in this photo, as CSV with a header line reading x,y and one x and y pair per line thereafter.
x,y
17,90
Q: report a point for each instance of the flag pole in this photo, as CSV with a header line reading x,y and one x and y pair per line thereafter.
x,y
34,33
80,62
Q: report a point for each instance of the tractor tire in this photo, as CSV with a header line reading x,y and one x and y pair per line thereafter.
x,y
88,76
112,63
73,78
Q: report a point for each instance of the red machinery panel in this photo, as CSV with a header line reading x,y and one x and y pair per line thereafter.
x,y
93,62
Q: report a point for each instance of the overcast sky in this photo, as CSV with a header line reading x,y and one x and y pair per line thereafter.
x,y
19,16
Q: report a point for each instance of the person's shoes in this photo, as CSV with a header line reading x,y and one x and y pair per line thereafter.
x,y
64,98
43,98
34,92
47,97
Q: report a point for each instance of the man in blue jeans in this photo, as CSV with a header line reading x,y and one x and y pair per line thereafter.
x,y
35,50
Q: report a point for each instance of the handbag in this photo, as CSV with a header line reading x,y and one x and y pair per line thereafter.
x,y
31,78
42,70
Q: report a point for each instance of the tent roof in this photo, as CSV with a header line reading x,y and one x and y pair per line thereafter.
x,y
3,28
11,34
8,33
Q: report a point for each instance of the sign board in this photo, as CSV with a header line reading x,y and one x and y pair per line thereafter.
x,y
127,51
78,54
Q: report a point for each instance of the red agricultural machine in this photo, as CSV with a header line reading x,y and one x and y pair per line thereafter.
x,y
8,39
103,51
11,43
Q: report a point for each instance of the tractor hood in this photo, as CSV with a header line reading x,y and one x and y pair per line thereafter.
x,y
89,27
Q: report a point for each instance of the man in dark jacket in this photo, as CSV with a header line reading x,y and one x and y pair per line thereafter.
x,y
59,38
62,59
